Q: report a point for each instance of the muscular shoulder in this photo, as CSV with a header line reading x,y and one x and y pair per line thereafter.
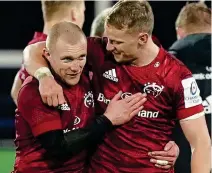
x,y
172,72
172,68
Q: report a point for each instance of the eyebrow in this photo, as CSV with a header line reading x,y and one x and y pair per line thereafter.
x,y
71,57
121,41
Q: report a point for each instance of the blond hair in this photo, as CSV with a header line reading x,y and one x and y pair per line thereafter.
x,y
194,15
53,8
132,15
67,31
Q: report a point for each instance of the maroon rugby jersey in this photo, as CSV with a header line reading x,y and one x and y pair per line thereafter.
x,y
172,94
34,118
38,36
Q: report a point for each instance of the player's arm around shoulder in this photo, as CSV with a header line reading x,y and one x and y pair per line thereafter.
x,y
33,58
37,66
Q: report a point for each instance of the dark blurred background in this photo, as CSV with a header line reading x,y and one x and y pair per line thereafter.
x,y
19,20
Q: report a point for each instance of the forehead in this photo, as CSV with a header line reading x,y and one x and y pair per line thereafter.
x,y
65,48
116,34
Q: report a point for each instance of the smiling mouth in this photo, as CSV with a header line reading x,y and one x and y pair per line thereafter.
x,y
72,75
116,53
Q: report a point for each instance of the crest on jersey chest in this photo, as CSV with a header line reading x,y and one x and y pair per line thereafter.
x,y
152,88
88,99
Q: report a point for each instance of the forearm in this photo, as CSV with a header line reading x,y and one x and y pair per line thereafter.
x,y
75,141
201,159
80,139
33,58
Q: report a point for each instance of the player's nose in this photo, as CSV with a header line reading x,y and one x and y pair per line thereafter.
x,y
110,46
75,66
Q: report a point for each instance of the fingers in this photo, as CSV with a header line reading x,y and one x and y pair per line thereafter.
x,y
49,101
135,98
117,96
138,104
161,163
61,98
162,153
44,99
170,159
163,167
130,98
55,100
135,112
169,145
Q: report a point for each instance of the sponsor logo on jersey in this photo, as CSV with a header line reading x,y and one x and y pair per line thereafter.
x,y
142,113
64,107
193,88
77,120
153,88
66,130
191,92
125,95
102,98
88,99
148,114
111,75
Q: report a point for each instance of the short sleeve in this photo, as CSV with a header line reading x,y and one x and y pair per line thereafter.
x,y
40,117
188,99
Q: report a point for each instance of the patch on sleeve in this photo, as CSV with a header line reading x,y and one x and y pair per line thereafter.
x,y
191,92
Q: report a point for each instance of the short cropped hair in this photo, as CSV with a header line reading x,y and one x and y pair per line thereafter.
x,y
68,31
98,25
50,8
194,15
132,15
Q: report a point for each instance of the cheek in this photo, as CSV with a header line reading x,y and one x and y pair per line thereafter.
x,y
82,63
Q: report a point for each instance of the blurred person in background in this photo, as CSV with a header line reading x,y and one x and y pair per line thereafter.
x,y
98,24
193,48
53,12
51,139
124,61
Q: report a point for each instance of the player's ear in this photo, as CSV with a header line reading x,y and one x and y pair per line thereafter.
x,y
46,53
143,38
180,33
73,15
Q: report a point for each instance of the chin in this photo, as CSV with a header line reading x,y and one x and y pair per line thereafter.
x,y
72,82
118,59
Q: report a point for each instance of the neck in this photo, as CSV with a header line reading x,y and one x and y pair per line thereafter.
x,y
199,31
147,54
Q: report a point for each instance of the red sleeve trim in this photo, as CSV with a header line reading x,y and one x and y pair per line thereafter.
x,y
187,112
46,126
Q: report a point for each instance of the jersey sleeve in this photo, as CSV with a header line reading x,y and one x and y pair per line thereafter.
x,y
22,73
188,99
40,117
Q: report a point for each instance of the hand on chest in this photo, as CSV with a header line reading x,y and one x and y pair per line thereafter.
x,y
129,84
